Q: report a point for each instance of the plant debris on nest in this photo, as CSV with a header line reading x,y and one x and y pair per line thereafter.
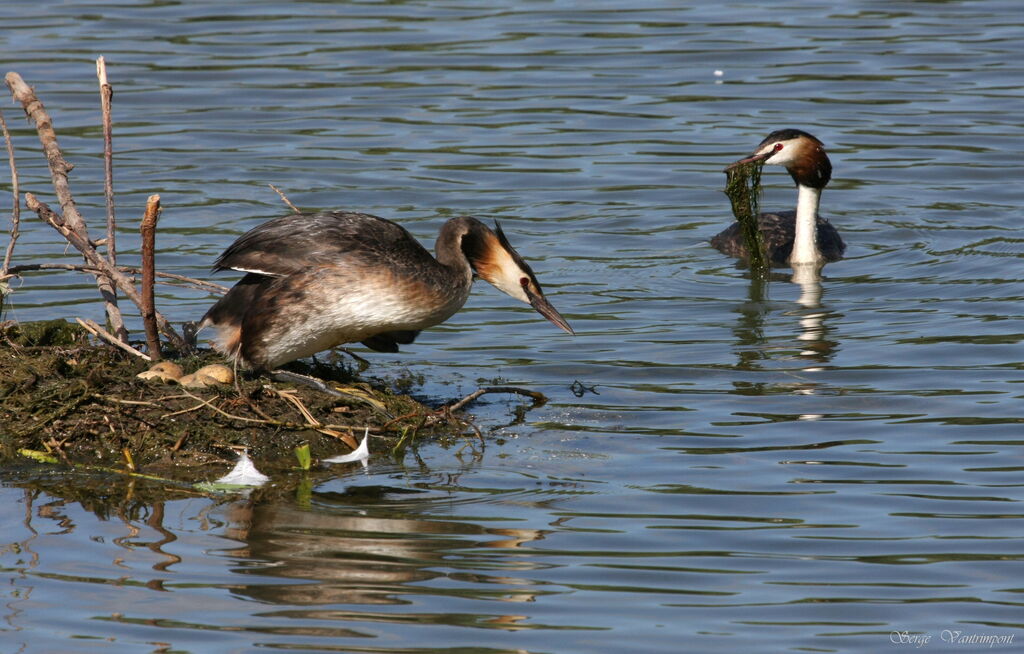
x,y
83,405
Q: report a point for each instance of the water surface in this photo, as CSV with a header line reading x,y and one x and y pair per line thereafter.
x,y
766,467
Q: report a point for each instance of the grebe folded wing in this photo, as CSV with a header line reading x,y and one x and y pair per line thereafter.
x,y
315,281
292,243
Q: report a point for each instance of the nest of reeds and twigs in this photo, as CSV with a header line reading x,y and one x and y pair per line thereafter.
x,y
83,404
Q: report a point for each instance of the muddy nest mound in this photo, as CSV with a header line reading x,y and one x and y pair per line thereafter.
x,y
83,404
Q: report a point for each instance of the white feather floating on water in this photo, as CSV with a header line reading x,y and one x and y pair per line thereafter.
x,y
244,474
361,453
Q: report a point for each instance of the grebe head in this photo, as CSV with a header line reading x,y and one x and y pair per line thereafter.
x,y
493,258
802,154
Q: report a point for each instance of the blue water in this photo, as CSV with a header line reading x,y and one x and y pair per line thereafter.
x,y
829,467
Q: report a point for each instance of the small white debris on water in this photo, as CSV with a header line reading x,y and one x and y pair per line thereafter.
x,y
361,453
244,474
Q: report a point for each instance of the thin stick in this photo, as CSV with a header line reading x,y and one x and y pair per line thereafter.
x,y
285,198
117,400
538,398
148,229
16,208
59,168
183,411
106,95
198,283
209,403
99,332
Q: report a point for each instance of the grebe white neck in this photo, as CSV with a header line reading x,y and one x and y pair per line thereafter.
x,y
805,241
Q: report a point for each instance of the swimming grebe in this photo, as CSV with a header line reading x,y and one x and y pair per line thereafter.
x,y
315,281
791,237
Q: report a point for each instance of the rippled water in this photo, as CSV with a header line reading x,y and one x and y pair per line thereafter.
x,y
753,468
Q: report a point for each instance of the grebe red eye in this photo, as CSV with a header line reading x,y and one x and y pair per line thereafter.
x,y
524,281
778,146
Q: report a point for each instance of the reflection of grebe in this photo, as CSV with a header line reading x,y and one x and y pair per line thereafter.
x,y
791,237
315,281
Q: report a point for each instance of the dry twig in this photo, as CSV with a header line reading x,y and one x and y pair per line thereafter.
x,y
71,220
292,397
200,284
148,230
16,208
117,400
106,95
538,398
98,262
209,403
285,198
99,332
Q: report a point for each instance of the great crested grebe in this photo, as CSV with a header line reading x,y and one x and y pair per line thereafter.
x,y
315,281
791,237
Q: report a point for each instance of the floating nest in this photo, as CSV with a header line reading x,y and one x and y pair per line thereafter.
x,y
65,400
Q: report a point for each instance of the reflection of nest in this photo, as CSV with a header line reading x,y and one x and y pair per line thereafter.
x,y
362,559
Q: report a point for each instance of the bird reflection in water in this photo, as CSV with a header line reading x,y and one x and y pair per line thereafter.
x,y
362,556
756,345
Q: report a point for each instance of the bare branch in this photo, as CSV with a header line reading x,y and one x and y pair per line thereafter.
x,y
59,167
106,95
101,264
148,229
16,208
71,221
538,398
99,332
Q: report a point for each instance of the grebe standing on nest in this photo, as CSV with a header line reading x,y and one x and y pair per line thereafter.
x,y
791,237
315,281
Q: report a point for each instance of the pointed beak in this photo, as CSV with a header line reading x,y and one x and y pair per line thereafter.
x,y
544,308
747,160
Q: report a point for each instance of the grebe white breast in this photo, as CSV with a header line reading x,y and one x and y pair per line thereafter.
x,y
317,280
791,237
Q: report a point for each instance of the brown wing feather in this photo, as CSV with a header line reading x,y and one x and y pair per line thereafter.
x,y
293,243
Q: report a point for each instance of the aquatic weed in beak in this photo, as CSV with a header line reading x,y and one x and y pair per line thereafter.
x,y
743,188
